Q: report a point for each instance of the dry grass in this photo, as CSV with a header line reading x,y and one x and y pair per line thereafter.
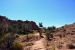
x,y
17,46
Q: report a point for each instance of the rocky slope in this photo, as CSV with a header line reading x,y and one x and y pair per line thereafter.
x,y
64,37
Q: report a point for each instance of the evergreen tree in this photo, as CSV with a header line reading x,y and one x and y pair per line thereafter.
x,y
40,25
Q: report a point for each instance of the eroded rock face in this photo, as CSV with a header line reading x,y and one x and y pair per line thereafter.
x,y
28,25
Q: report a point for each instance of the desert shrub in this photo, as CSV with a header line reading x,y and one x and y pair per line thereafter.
x,y
30,35
28,43
59,46
49,36
33,37
17,46
6,41
60,36
49,32
71,46
53,48
17,36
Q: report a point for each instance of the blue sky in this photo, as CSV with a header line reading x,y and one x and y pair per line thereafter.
x,y
49,12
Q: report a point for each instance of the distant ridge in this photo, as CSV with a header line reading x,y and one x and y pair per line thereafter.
x,y
6,22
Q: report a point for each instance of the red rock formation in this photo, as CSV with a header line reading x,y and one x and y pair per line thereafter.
x,y
30,24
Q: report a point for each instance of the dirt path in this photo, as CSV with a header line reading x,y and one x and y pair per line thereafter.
x,y
39,45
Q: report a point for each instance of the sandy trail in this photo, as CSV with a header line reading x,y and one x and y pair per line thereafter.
x,y
39,45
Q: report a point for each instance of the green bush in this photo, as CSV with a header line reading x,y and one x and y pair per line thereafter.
x,y
17,46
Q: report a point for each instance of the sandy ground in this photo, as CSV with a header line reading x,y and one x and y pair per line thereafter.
x,y
39,45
